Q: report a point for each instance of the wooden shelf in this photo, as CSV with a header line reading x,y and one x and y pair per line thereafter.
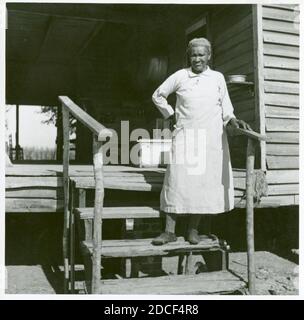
x,y
245,83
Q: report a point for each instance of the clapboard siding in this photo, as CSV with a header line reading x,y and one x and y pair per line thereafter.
x,y
281,38
283,189
224,47
291,125
31,182
228,17
54,193
280,14
281,50
281,112
243,23
281,75
236,61
239,49
281,87
281,98
279,200
280,26
232,40
283,137
282,162
33,205
290,7
282,176
281,63
281,149
278,99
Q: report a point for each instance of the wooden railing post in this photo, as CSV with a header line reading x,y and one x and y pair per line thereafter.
x,y
250,214
66,222
253,137
72,236
98,205
100,132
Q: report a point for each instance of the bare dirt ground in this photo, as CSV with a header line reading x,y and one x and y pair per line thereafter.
x,y
275,276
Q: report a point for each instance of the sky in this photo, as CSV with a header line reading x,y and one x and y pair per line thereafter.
x,y
32,132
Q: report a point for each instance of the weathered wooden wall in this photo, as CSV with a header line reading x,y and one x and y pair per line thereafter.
x,y
232,39
280,32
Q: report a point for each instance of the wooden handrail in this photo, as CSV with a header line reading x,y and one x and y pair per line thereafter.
x,y
100,132
97,128
251,134
253,137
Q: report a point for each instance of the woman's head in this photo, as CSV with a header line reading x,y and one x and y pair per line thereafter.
x,y
199,53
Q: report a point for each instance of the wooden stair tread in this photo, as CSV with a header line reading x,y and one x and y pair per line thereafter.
x,y
138,212
135,183
144,247
121,212
140,180
217,282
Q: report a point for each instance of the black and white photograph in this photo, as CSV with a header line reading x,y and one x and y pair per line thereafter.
x,y
152,149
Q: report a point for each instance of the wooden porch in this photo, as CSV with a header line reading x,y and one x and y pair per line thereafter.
x,y
38,188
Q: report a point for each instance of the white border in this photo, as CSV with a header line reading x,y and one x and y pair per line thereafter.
x,y
138,297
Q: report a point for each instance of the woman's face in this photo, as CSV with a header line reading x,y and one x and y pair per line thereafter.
x,y
199,57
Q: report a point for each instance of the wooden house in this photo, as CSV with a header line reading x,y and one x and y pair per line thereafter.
x,y
109,58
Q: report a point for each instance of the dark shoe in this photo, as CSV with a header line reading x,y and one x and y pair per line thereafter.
x,y
164,238
193,237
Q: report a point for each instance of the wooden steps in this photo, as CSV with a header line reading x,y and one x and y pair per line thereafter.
x,y
131,249
95,249
218,282
143,247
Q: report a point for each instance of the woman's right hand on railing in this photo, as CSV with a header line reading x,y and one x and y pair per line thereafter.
x,y
239,124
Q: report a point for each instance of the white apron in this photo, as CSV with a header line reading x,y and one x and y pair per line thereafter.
x,y
199,179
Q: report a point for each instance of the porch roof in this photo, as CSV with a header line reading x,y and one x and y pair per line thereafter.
x,y
45,41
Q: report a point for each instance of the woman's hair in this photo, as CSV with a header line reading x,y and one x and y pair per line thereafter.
x,y
198,42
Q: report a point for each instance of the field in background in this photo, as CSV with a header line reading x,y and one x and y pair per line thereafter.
x,y
40,153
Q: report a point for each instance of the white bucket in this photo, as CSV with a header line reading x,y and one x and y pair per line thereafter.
x,y
154,152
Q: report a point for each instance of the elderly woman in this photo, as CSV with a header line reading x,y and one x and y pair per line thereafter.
x,y
203,110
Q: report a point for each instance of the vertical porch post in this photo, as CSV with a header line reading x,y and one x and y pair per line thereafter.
x,y
250,214
98,205
17,149
66,222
